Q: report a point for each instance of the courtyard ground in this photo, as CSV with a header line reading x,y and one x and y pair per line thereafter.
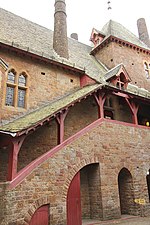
x,y
124,220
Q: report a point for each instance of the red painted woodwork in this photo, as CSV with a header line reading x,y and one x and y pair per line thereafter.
x,y
74,202
100,99
28,169
60,120
12,164
134,109
41,216
13,157
122,42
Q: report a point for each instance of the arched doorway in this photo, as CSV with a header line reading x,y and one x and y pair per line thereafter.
x,y
125,185
41,216
91,199
74,202
148,183
84,195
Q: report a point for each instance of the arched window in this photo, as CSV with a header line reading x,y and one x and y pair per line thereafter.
x,y
16,89
10,89
147,70
22,81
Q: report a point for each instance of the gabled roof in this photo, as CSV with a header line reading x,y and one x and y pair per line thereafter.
x,y
95,31
115,29
42,114
31,37
116,72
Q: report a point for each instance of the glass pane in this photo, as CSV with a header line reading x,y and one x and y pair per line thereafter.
x,y
22,80
21,98
10,96
11,77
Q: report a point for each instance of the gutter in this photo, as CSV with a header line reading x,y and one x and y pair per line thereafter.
x,y
8,133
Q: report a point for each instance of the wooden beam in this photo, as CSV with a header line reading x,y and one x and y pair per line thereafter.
x,y
134,109
60,119
100,99
13,157
120,94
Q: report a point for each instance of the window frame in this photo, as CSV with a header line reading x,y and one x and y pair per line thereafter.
x,y
17,86
22,87
147,69
12,85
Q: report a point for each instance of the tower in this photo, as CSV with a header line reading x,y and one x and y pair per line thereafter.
x,y
143,32
60,41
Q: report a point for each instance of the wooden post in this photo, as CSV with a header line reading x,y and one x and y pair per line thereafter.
x,y
100,99
13,157
60,119
134,109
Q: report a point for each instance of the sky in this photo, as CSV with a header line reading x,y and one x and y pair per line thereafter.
x,y
82,15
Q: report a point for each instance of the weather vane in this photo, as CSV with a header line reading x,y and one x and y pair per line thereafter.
x,y
109,5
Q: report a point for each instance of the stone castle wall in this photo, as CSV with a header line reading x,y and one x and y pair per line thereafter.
x,y
110,145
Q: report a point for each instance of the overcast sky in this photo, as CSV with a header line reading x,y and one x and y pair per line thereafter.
x,y
82,15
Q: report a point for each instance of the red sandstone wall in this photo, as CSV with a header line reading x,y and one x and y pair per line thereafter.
x,y
113,146
41,88
133,60
45,138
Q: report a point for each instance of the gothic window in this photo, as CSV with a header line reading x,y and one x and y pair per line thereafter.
x,y
22,90
10,96
21,97
11,86
11,77
22,80
16,89
147,70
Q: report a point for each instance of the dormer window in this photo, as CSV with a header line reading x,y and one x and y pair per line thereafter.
x,y
118,77
147,70
121,82
96,37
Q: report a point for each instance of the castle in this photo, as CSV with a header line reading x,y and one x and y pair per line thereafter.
x,y
74,122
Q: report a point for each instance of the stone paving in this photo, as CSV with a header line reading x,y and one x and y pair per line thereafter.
x,y
124,220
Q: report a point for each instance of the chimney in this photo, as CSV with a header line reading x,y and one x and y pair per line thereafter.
x,y
74,36
60,40
143,32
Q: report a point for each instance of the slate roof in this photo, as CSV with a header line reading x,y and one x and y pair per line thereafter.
x,y
111,73
31,119
118,30
28,36
36,39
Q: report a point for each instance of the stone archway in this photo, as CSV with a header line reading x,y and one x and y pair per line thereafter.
x,y
126,193
41,216
148,183
84,195
91,199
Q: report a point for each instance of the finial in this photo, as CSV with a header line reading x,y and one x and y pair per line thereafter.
x,y
109,5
